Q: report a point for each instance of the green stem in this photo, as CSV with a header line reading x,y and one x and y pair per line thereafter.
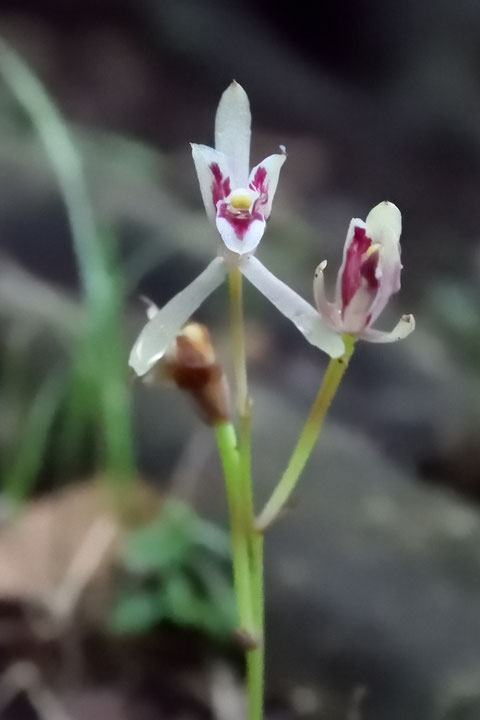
x,y
227,448
331,381
242,396
255,655
238,341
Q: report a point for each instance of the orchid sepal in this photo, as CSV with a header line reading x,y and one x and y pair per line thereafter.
x,y
404,327
306,319
233,122
164,324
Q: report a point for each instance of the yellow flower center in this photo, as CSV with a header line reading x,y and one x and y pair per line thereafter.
x,y
374,247
241,199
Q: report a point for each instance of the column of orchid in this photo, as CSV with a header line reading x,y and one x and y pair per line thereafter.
x,y
238,201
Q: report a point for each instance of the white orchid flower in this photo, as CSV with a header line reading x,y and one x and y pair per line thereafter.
x,y
368,277
237,200
239,203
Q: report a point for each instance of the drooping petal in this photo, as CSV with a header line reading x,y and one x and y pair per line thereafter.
x,y
241,236
384,227
402,329
161,330
295,308
232,131
213,176
264,180
327,310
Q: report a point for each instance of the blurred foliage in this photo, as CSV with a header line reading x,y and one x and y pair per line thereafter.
x,y
454,306
22,464
97,388
177,572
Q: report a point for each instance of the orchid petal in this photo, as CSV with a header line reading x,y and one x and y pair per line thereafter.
x,y
161,330
294,307
241,240
326,309
232,131
357,314
384,226
354,223
213,176
264,180
402,329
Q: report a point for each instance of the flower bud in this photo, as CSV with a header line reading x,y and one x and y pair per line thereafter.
x,y
191,364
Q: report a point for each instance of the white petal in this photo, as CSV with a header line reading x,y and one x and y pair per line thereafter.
x,y
247,242
161,330
358,311
204,157
326,309
294,307
402,329
232,131
384,224
267,185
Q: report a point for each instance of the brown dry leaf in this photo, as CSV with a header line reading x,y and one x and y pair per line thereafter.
x,y
60,545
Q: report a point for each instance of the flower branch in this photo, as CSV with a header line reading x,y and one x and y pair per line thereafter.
x,y
308,437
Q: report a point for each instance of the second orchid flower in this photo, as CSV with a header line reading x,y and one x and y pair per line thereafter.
x,y
368,277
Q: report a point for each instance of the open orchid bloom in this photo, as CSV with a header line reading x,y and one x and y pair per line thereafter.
x,y
368,277
239,202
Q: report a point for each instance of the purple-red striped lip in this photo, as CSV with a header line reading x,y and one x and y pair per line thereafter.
x,y
357,266
220,185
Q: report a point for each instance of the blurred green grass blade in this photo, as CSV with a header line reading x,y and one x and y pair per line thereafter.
x,y
21,472
104,358
66,163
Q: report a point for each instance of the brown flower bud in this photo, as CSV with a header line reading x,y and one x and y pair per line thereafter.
x,y
191,364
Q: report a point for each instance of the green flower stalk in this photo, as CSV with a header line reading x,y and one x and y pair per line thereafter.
x,y
305,444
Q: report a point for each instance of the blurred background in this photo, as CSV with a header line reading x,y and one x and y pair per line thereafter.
x,y
115,596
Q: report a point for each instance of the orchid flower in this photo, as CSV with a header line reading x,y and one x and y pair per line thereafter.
x,y
368,277
239,203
